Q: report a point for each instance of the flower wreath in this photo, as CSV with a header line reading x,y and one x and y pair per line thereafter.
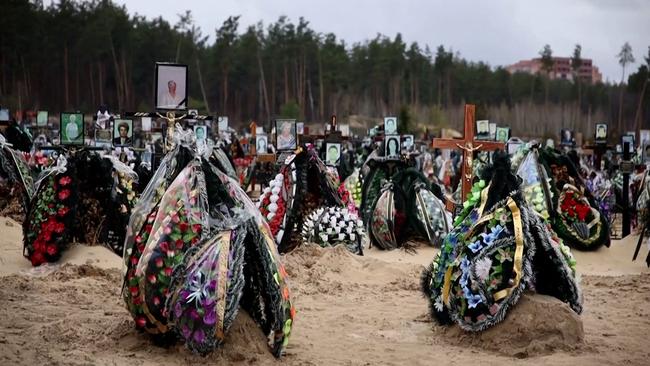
x,y
576,221
331,226
277,200
49,219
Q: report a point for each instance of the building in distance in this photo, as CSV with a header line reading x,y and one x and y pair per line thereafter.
x,y
588,72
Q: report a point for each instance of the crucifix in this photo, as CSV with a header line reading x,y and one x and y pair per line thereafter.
x,y
468,144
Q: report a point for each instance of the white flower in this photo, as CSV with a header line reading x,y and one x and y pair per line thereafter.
x,y
482,268
438,304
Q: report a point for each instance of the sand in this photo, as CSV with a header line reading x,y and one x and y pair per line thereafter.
x,y
351,311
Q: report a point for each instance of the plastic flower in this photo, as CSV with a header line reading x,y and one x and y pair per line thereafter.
x,y
475,246
64,194
64,181
482,268
472,300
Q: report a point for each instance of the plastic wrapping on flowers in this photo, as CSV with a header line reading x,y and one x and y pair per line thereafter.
x,y
51,214
534,184
388,219
432,216
331,226
353,185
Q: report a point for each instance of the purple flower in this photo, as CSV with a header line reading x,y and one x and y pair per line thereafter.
x,y
210,317
208,303
194,314
199,336
186,331
184,294
212,286
178,310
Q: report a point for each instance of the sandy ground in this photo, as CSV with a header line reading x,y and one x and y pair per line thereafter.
x,y
351,311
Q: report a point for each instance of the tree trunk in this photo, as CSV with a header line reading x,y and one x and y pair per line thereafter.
x,y
321,88
286,84
100,82
205,96
118,80
263,80
66,86
638,116
93,100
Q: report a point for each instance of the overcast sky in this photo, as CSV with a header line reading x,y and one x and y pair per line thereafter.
x,y
499,32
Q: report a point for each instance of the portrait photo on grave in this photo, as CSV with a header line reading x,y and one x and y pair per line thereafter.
x,y
629,139
222,123
493,131
502,134
392,146
123,132
285,134
566,137
71,130
41,118
201,133
300,128
390,125
261,144
407,141
332,154
146,124
601,133
644,136
646,152
482,129
4,115
171,86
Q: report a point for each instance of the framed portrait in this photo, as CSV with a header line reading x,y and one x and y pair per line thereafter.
x,y
261,144
407,141
222,124
201,133
71,131
566,137
644,136
123,132
503,134
629,139
285,134
601,133
171,86
483,129
513,145
4,115
332,154
146,124
41,118
319,143
646,152
300,128
493,131
345,129
390,125
392,146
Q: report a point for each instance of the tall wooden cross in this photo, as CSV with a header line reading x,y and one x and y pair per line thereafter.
x,y
469,145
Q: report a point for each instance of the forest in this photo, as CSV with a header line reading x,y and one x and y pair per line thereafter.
x,y
77,55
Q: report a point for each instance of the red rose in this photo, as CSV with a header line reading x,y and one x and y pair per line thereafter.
x,y
164,246
151,278
37,259
64,194
63,211
168,271
156,300
134,261
134,291
183,226
59,228
140,321
51,249
179,244
64,181
196,228
159,262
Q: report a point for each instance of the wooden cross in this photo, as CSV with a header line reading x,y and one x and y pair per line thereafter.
x,y
469,145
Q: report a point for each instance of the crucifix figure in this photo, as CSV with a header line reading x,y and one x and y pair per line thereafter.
x,y
468,144
171,124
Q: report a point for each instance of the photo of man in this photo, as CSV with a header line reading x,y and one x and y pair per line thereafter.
x,y
261,144
392,146
72,129
171,88
122,132
408,141
566,137
493,131
503,134
630,140
601,132
646,152
286,134
200,133
390,125
483,129
333,154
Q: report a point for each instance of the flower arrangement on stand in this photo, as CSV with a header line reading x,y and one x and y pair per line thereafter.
x,y
577,221
47,229
331,226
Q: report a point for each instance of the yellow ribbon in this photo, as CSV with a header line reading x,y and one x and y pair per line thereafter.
x,y
519,250
223,283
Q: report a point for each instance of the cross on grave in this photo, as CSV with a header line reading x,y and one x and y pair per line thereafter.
x,y
469,145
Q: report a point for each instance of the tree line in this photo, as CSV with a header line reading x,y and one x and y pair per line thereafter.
x,y
78,55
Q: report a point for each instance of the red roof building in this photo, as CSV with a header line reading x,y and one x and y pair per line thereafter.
x,y
587,72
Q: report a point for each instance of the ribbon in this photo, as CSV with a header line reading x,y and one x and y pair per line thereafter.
x,y
519,250
223,283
